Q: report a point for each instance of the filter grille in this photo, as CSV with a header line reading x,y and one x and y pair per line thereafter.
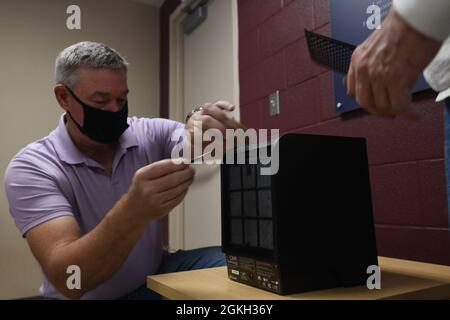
x,y
329,52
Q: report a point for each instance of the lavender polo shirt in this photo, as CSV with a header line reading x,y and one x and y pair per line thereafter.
x,y
51,178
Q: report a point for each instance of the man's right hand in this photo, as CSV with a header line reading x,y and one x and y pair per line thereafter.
x,y
386,66
158,188
59,243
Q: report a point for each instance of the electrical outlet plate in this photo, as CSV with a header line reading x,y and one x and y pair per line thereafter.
x,y
274,104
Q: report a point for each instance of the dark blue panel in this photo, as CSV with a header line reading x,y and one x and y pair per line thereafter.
x,y
353,22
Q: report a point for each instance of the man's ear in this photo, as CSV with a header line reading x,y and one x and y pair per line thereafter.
x,y
62,96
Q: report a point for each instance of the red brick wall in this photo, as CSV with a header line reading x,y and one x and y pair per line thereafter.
x,y
406,158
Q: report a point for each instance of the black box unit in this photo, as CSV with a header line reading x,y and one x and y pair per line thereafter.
x,y
307,227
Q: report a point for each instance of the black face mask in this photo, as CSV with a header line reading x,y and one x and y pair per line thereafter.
x,y
102,126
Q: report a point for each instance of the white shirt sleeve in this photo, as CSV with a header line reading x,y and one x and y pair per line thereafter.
x,y
438,72
430,17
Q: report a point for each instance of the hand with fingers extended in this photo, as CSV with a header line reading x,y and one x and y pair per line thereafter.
x,y
385,67
158,188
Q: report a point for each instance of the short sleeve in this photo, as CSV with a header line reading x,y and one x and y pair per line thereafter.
x,y
159,134
33,195
171,135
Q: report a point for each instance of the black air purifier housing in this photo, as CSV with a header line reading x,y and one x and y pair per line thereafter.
x,y
307,227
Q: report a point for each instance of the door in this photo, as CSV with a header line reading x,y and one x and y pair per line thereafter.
x,y
209,73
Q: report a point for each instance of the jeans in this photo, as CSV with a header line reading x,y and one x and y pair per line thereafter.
x,y
181,260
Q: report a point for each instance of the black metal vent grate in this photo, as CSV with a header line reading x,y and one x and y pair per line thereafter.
x,y
329,52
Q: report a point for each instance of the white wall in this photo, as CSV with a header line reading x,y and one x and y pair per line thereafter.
x,y
32,33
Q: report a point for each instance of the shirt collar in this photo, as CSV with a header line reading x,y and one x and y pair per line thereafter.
x,y
69,153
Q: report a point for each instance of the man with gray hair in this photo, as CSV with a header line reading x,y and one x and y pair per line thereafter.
x,y
91,194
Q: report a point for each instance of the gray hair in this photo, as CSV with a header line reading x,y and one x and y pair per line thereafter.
x,y
86,54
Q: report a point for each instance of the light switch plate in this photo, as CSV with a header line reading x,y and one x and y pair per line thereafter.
x,y
274,104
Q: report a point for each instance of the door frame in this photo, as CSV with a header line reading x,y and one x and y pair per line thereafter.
x,y
176,95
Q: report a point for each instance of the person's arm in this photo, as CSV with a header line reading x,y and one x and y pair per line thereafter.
x,y
385,67
431,18
58,243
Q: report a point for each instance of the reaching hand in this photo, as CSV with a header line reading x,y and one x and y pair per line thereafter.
x,y
386,66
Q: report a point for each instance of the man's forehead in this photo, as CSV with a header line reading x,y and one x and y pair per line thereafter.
x,y
100,72
102,82
107,93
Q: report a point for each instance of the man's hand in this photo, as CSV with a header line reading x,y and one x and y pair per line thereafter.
x,y
386,66
213,116
59,243
158,188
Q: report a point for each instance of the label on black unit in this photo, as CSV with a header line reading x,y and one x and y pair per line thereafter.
x,y
260,274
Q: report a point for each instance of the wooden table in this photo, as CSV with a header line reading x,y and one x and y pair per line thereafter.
x,y
400,279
